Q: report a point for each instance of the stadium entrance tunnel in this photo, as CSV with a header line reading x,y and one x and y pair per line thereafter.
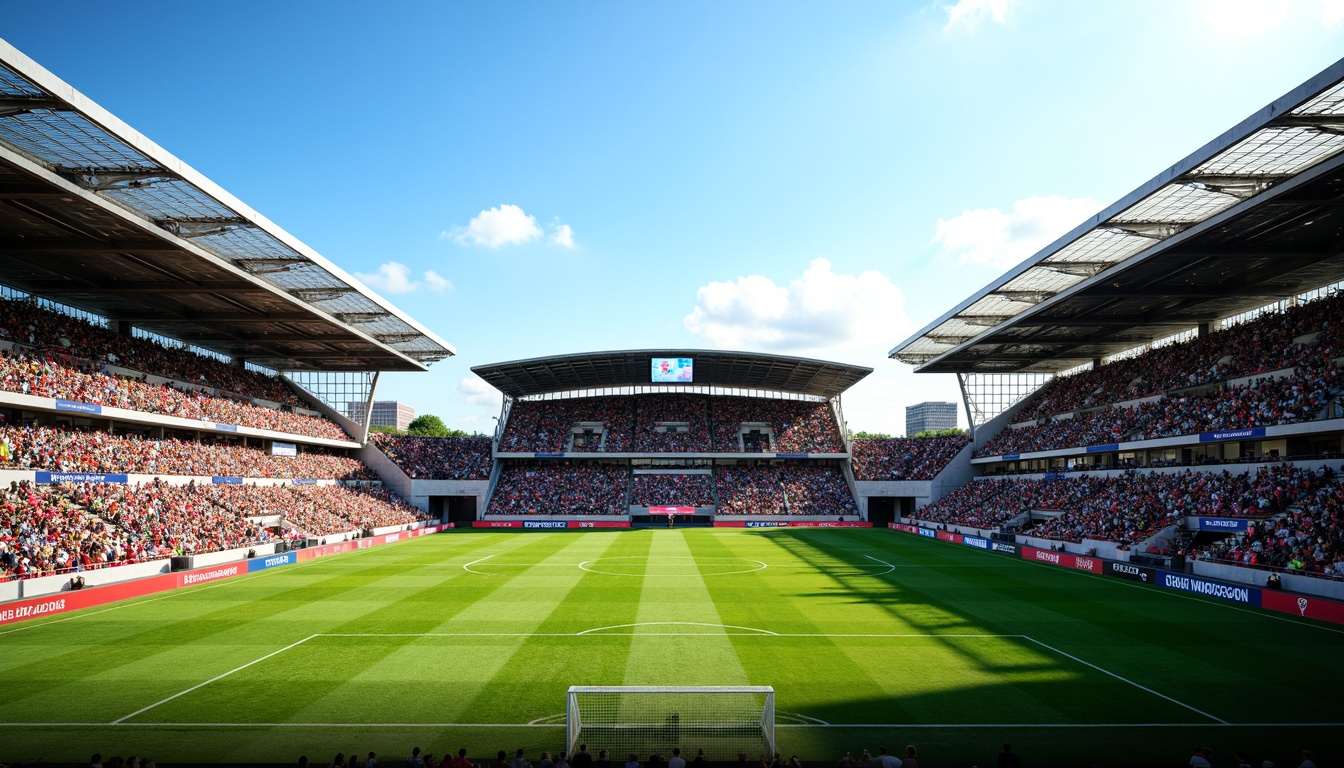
x,y
454,509
886,509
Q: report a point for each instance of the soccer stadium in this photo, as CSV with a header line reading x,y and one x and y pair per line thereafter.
x,y
668,554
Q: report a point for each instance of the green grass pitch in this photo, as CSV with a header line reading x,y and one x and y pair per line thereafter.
x,y
868,636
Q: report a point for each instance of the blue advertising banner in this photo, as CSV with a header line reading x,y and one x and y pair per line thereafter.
x,y
218,480
765,524
791,455
1003,546
1237,593
928,532
272,561
1107,448
548,455
77,407
303,481
50,478
545,524
1232,434
975,541
1011,456
1222,524
226,427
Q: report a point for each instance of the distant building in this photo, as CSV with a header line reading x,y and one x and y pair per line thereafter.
x,y
929,417
386,413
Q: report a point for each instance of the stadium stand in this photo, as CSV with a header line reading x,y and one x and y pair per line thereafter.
x,y
919,458
51,375
47,529
27,322
66,450
1129,508
783,490
561,489
438,458
671,490
641,424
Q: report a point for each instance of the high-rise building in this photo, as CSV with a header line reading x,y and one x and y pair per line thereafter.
x,y
386,413
927,417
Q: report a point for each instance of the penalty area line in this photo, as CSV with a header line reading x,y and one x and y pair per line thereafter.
x,y
198,686
1126,680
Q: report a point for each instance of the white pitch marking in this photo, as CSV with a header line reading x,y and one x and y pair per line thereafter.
x,y
677,623
467,566
118,721
1126,680
777,725
693,561
890,567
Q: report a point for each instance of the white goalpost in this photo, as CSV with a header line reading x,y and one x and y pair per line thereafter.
x,y
724,721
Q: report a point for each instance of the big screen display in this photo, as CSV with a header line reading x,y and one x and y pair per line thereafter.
x,y
673,370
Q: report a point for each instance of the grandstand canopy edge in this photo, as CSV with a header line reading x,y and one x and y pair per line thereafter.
x,y
742,371
1254,217
95,216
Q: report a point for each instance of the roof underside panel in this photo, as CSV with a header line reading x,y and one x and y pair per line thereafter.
x,y
632,368
94,216
1252,218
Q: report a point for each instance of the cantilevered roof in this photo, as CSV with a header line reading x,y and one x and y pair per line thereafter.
x,y
96,216
632,368
1254,216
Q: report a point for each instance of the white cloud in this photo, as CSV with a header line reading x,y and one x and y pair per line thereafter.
x,y
395,277
475,392
503,225
562,235
1332,13
989,236
437,282
967,14
820,312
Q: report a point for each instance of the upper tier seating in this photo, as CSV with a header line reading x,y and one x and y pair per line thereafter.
x,y
438,458
919,458
640,423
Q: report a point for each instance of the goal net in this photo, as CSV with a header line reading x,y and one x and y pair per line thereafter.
x,y
724,721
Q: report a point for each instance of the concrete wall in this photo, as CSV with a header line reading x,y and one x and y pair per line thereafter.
x,y
1308,585
227,556
50,585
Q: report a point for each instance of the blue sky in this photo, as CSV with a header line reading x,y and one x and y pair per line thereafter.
x,y
818,179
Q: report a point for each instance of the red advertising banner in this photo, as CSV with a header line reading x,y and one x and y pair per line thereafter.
x,y
599,524
671,510
903,527
1303,605
955,538
497,524
1065,559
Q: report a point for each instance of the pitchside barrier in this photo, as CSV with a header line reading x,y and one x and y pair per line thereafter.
x,y
73,600
1275,600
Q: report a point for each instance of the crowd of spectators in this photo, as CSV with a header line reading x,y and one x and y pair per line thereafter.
x,y
782,490
438,458
1130,507
1306,538
671,490
27,322
57,376
640,423
1264,344
1264,402
546,426
799,426
654,414
920,458
47,529
561,489
65,450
